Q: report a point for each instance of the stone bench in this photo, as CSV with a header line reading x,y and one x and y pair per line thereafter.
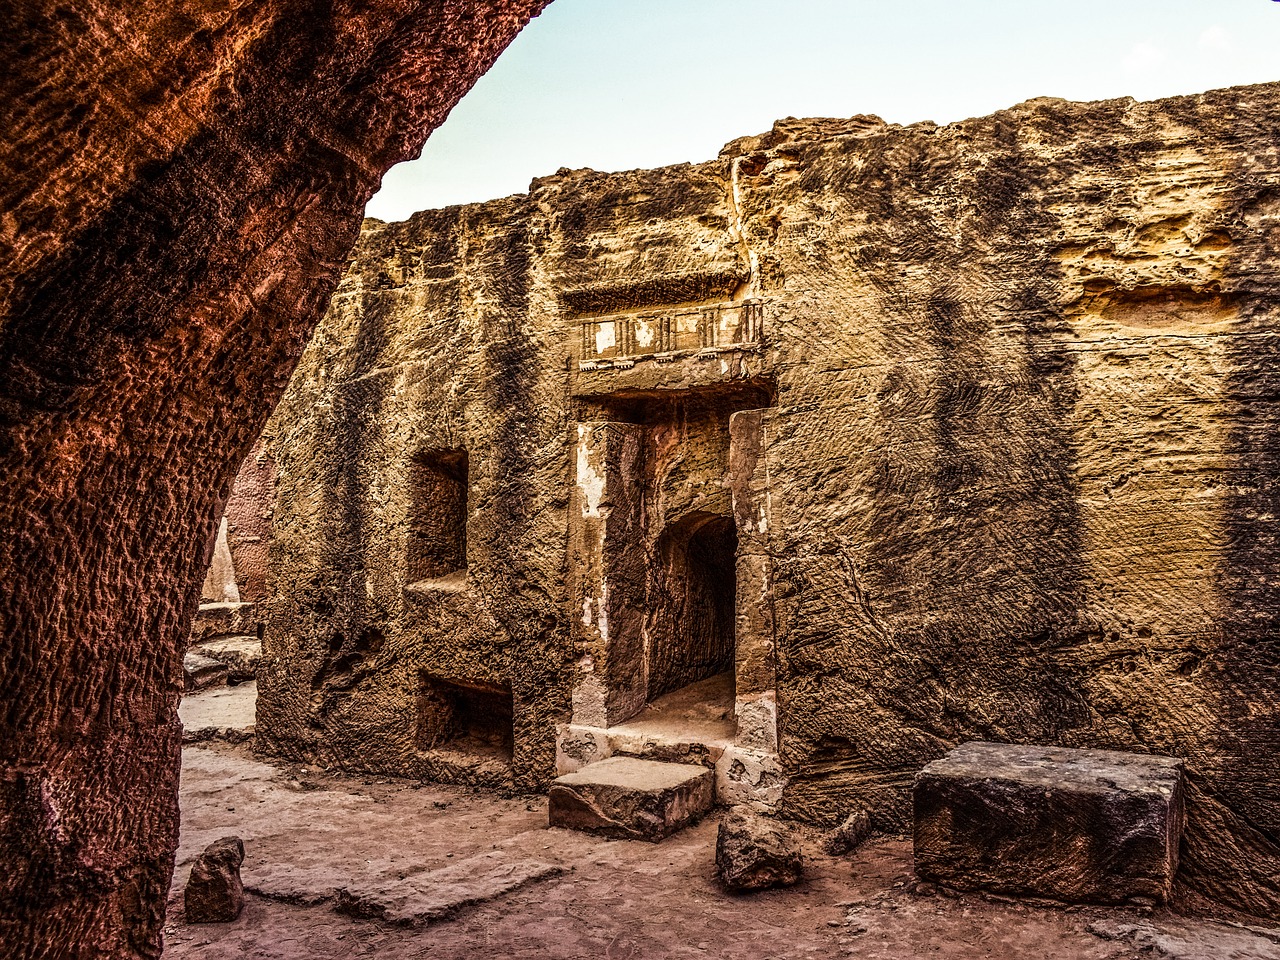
x,y
1074,825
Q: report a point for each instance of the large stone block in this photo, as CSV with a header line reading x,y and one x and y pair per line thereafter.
x,y
1075,825
631,799
240,655
214,620
200,672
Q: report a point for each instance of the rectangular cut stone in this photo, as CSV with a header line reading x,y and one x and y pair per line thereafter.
x,y
1076,825
631,799
201,672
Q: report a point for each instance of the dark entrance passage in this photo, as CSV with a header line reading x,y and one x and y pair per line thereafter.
x,y
693,583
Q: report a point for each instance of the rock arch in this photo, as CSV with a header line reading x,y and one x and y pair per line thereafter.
x,y
181,184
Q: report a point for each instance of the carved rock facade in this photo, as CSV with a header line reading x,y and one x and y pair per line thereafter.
x,y
913,436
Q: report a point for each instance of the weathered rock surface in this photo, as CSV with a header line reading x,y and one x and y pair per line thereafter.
x,y
1173,938
201,672
1075,825
1027,504
435,894
643,900
1010,473
756,853
240,655
215,621
849,835
219,713
214,892
180,183
631,799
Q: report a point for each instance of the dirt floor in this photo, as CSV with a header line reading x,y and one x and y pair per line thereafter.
x,y
339,866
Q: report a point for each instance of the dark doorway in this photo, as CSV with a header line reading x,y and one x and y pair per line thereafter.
x,y
692,589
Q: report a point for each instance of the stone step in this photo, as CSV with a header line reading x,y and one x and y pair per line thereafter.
x,y
201,672
1095,826
631,799
241,654
215,620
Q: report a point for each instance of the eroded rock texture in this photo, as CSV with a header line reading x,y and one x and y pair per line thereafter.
x,y
1071,824
1035,459
631,799
214,892
179,185
985,415
755,853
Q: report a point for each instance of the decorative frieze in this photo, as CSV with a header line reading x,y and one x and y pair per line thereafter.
x,y
620,340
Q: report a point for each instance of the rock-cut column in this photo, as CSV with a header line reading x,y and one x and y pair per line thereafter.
x,y
607,573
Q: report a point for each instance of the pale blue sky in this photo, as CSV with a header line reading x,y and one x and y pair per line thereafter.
x,y
622,84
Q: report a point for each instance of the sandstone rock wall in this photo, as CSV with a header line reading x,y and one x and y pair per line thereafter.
x,y
248,515
179,185
433,349
1012,474
1037,451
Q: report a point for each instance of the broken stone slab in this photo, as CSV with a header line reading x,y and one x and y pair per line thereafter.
x,y
214,893
241,654
1176,938
850,835
1094,826
421,898
631,799
201,672
756,853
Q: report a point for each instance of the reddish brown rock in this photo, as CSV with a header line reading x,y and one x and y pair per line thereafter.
x,y
631,799
248,516
179,185
214,891
850,835
756,853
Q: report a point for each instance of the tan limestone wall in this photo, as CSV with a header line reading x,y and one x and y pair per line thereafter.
x,y
1014,476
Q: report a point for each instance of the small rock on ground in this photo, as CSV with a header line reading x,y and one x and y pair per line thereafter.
x,y
215,894
755,853
849,835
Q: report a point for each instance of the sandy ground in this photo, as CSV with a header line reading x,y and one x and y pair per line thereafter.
x,y
211,713
432,871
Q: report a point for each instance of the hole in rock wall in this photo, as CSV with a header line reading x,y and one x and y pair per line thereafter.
x,y
437,514
468,715
690,624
